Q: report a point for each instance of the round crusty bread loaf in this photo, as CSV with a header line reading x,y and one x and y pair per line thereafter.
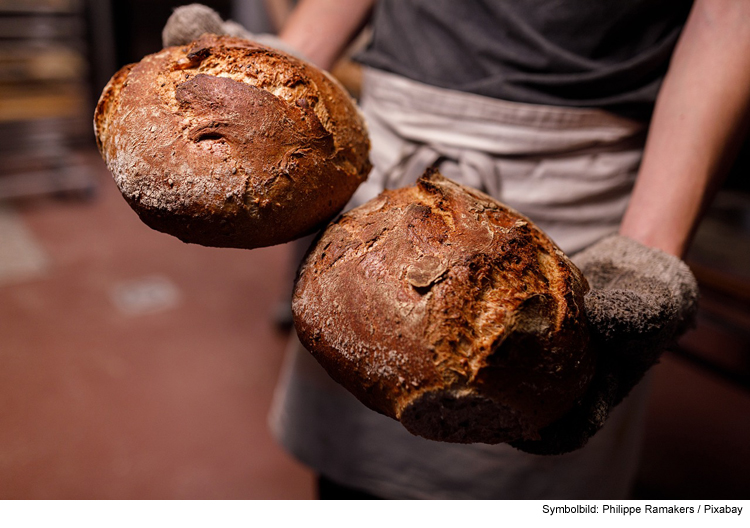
x,y
228,143
442,308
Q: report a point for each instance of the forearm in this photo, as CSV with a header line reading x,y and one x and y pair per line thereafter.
x,y
321,29
698,123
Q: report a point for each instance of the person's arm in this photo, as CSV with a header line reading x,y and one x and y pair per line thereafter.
x,y
698,124
321,29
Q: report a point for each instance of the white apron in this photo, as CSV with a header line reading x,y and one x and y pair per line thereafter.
x,y
571,171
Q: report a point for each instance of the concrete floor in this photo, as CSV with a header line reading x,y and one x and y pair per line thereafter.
x,y
133,366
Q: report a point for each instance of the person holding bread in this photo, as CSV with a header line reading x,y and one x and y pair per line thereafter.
x,y
608,125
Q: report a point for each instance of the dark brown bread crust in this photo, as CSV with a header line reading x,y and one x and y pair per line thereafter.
x,y
440,307
228,143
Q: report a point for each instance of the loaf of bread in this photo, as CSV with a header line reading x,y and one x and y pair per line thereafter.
x,y
228,143
442,308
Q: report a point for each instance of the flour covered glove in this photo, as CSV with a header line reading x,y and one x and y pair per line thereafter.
x,y
641,300
189,22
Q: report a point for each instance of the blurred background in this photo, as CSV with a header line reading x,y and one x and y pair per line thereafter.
x,y
133,366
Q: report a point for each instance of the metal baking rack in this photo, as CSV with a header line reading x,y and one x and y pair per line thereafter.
x,y
44,94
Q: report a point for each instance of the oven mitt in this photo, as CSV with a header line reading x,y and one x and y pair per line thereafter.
x,y
189,22
641,300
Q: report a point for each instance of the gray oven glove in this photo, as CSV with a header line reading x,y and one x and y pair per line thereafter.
x,y
189,22
641,300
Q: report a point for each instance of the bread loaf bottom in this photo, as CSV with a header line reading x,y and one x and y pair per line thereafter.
x,y
440,307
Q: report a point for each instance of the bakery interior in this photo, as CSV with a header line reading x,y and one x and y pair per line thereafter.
x,y
133,366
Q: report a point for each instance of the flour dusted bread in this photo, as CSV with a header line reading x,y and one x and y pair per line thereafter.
x,y
440,307
224,142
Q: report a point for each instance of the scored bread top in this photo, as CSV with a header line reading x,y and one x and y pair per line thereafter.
x,y
438,293
225,142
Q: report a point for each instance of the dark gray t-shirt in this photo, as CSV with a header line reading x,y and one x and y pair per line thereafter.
x,y
609,54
